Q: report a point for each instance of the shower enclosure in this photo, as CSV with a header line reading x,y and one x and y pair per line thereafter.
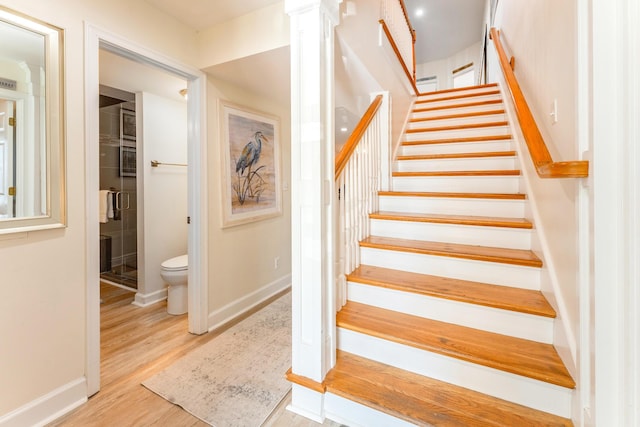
x,y
118,215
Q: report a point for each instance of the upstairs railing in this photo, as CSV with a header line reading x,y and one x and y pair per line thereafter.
x,y
357,174
401,35
544,164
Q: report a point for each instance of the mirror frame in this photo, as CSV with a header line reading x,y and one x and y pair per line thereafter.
x,y
56,211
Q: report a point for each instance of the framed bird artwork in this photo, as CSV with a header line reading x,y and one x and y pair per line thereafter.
x,y
250,143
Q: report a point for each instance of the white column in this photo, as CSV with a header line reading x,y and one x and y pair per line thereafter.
x,y
312,182
616,228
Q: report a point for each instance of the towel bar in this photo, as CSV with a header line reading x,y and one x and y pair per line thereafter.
x,y
155,164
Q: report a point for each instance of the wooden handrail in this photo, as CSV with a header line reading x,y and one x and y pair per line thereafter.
x,y
545,166
394,46
350,146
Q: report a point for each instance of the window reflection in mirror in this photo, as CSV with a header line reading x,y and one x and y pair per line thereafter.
x,y
31,124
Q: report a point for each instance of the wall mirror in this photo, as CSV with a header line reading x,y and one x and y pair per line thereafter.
x,y
32,160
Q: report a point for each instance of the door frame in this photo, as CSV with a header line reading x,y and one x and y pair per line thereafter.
x,y
96,39
16,152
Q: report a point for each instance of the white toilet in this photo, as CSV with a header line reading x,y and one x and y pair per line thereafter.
x,y
174,272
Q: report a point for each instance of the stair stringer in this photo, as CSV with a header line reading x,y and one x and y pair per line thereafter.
x,y
564,336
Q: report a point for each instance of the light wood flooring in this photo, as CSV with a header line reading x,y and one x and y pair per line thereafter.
x,y
135,344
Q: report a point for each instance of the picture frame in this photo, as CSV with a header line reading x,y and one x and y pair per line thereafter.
x,y
127,161
251,175
128,127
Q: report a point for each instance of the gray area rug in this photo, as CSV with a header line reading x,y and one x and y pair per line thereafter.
x,y
238,378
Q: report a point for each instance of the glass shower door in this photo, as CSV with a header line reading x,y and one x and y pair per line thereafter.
x,y
118,225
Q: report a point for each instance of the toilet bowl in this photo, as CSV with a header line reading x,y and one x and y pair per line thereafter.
x,y
174,272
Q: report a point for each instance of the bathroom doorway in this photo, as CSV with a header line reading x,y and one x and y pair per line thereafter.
x,y
96,40
143,175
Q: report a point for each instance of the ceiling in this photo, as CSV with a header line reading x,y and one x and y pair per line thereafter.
x,y
446,27
202,14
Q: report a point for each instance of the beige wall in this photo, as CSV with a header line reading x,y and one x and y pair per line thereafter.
x,y
241,258
541,35
262,30
43,304
42,309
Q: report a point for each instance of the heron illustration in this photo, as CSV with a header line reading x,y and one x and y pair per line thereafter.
x,y
250,153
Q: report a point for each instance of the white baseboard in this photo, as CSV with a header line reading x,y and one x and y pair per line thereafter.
x,y
49,407
234,309
307,403
144,300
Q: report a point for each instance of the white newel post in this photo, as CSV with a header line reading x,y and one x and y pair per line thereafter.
x,y
312,181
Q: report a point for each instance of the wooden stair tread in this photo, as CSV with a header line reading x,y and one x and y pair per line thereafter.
x,y
462,96
483,154
502,297
426,401
458,127
518,356
498,172
496,196
458,116
452,106
454,219
455,250
485,138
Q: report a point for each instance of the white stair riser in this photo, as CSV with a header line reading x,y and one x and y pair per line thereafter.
x,y
503,385
457,133
447,102
470,91
457,94
496,273
454,206
458,184
504,322
501,237
467,163
485,118
455,147
458,108
349,413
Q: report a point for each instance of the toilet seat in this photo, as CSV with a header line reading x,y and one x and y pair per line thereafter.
x,y
176,264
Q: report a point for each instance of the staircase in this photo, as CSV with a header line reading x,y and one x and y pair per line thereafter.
x,y
445,323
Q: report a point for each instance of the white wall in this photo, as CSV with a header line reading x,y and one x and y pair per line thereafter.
x,y
43,304
370,66
541,35
164,138
443,68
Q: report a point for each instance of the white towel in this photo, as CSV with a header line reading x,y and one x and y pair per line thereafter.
x,y
105,202
110,205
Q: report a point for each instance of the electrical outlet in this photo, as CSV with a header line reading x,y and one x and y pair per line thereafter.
x,y
554,111
276,263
